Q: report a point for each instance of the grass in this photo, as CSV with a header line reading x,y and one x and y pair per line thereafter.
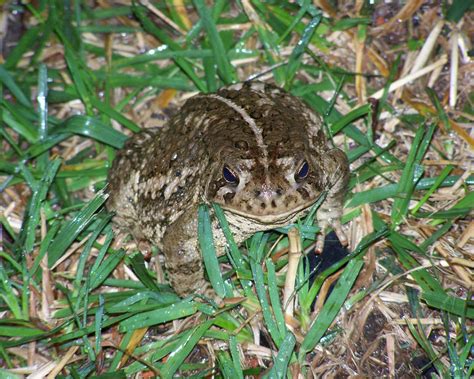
x,y
78,301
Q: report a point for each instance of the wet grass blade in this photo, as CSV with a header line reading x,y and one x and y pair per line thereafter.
x,y
159,315
281,361
94,128
235,358
20,126
7,79
353,115
239,263
185,347
275,297
419,336
331,307
411,174
448,303
262,297
439,180
208,250
225,69
117,116
81,77
29,38
103,268
72,228
137,264
9,295
390,190
39,193
150,27
225,364
297,54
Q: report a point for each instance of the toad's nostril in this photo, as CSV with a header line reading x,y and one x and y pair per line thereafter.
x,y
257,193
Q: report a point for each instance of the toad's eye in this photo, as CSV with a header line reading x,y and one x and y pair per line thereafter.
x,y
303,171
229,176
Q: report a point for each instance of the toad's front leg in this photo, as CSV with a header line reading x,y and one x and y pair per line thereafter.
x,y
329,214
183,259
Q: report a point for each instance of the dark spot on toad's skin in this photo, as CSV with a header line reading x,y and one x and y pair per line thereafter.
x,y
243,145
304,193
229,196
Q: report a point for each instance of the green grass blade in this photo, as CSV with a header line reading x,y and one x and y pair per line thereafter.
x,y
102,272
81,78
280,365
99,317
8,294
81,266
225,69
235,357
426,345
297,54
353,115
457,9
439,180
423,278
94,128
296,20
7,79
331,307
225,365
20,126
391,190
173,312
28,39
39,193
448,303
275,297
162,54
206,242
137,264
411,174
150,27
266,309
117,116
185,347
42,104
72,228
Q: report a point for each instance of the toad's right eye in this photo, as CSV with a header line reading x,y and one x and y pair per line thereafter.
x,y
229,176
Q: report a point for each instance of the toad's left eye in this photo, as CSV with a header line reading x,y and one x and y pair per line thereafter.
x,y
229,176
303,171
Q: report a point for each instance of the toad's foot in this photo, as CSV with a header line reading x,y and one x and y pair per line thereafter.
x,y
337,227
330,211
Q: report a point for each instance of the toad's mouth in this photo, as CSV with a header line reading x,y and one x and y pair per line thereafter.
x,y
268,217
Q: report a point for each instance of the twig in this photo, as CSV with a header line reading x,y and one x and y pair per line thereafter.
x,y
294,255
407,79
